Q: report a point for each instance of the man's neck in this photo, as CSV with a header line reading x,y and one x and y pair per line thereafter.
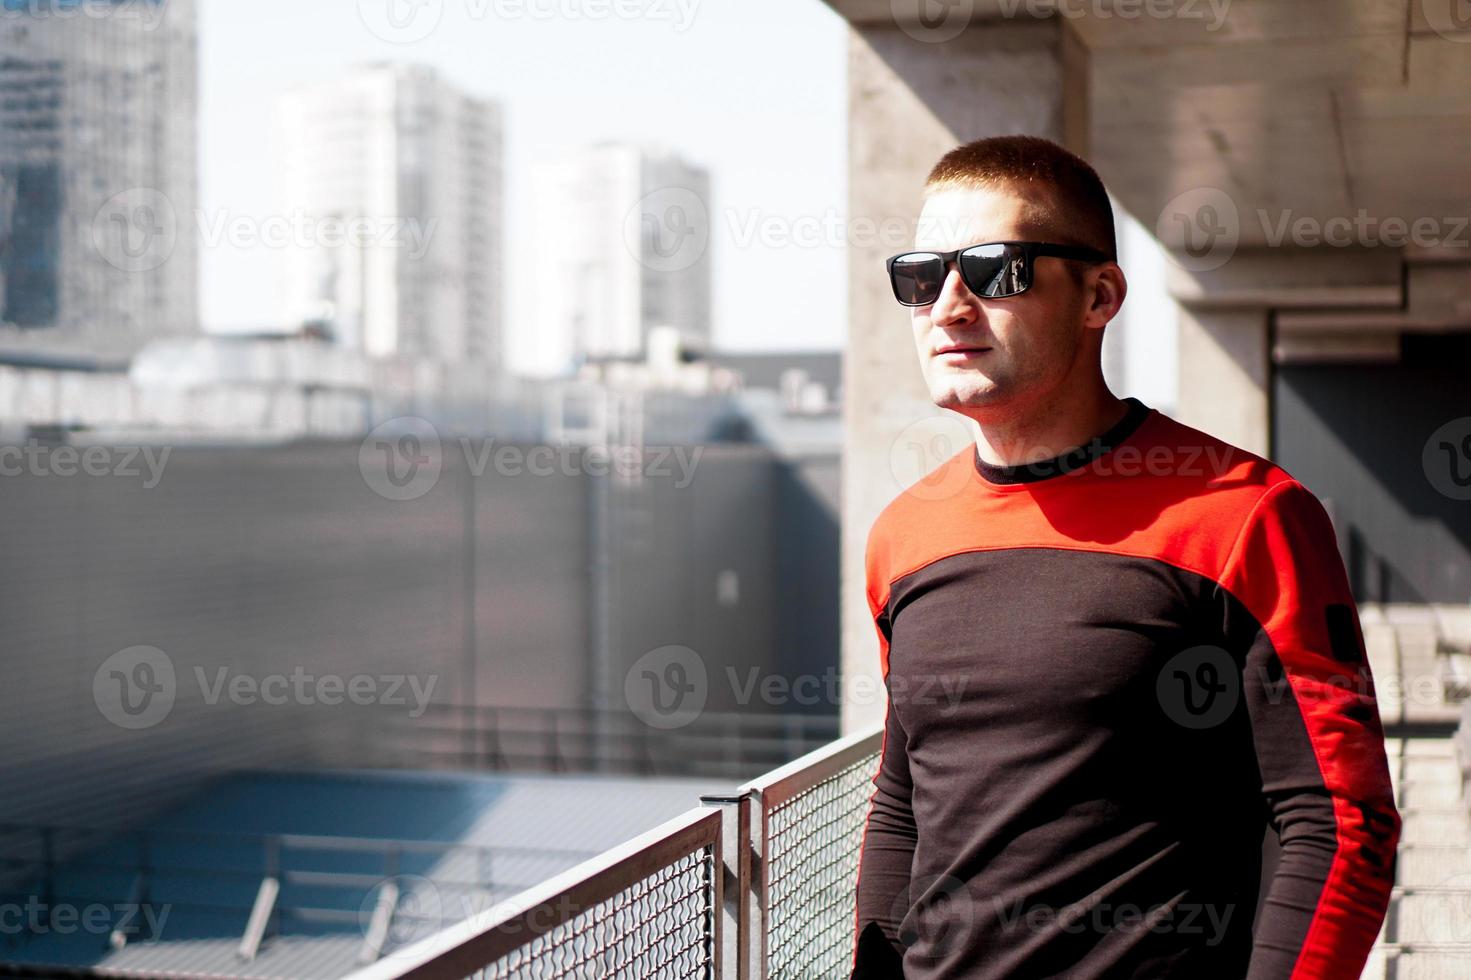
x,y
1047,430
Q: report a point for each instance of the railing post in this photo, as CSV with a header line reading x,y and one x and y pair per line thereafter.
x,y
735,850
492,734
771,796
376,935
48,870
484,866
734,750
554,756
738,915
261,913
137,893
117,939
754,904
646,764
264,910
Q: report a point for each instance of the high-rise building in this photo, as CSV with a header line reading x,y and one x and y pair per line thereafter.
x,y
624,236
97,173
396,177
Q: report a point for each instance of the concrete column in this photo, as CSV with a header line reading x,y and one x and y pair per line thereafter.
x,y
910,101
1224,375
1224,378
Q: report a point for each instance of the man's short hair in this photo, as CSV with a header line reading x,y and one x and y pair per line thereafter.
x,y
1079,212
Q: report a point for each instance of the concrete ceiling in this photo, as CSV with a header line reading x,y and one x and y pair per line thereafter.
x,y
1290,109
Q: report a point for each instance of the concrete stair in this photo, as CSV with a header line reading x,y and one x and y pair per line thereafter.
x,y
1418,655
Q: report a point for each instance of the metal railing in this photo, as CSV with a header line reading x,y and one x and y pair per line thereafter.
x,y
36,857
806,828
757,884
647,908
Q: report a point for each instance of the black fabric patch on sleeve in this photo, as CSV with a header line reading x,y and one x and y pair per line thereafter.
x,y
1342,638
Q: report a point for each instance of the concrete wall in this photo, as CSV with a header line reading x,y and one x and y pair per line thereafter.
x,y
1224,372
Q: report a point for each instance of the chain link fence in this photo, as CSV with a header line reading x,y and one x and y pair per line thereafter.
x,y
759,884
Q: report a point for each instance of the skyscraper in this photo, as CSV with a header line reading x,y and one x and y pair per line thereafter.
x,y
397,177
97,173
624,236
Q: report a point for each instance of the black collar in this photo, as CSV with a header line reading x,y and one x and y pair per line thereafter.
x,y
1072,459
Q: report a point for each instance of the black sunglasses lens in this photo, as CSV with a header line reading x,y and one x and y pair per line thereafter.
x,y
994,270
917,278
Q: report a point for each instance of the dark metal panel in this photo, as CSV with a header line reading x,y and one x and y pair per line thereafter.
x,y
1357,436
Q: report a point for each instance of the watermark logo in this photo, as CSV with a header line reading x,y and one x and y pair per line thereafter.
x,y
667,688
1203,227
1446,459
1451,19
1199,687
136,230
138,687
135,688
936,915
668,230
917,452
418,911
402,458
932,21
1445,911
401,21
301,229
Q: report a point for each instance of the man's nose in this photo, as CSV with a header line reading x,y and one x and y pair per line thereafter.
x,y
956,304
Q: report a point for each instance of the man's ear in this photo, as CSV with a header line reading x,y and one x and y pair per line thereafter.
x,y
1109,287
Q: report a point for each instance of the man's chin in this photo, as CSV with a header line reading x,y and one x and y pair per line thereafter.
x,y
959,398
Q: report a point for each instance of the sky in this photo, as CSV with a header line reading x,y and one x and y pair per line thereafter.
x,y
754,90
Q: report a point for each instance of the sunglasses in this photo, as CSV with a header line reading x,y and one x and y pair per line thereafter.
x,y
992,269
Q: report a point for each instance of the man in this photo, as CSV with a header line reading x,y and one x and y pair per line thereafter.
x,y
1120,654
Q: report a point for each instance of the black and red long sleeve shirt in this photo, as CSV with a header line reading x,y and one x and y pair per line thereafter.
x,y
1109,676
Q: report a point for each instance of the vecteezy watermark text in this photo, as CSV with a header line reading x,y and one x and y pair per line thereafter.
x,y
402,459
149,13
305,688
669,687
40,459
1204,226
1208,921
38,917
412,21
300,229
937,21
137,688
137,230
